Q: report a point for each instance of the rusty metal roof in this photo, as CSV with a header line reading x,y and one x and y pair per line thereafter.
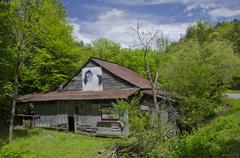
x,y
124,73
78,95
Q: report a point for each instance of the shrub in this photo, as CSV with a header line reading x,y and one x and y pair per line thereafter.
x,y
219,139
2,143
13,151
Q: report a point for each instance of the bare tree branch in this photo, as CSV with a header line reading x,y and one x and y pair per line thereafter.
x,y
166,102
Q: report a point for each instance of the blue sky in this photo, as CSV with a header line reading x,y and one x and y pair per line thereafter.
x,y
114,19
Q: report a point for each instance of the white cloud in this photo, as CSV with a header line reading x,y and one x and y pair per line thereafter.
x,y
139,2
190,4
223,12
77,35
114,13
174,31
116,25
203,3
200,4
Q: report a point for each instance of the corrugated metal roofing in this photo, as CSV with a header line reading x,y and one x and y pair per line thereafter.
x,y
118,70
78,95
124,73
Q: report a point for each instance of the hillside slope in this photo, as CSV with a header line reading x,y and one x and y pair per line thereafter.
x,y
220,138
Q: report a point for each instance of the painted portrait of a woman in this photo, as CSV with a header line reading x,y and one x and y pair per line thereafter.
x,y
92,78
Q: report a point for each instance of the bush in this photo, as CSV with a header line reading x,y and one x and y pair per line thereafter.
x,y
12,151
2,143
236,83
219,139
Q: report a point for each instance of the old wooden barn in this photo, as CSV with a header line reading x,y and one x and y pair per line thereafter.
x,y
84,103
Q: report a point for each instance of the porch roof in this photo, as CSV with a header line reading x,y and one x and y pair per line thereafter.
x,y
78,95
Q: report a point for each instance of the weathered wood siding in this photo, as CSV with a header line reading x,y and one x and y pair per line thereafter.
x,y
52,114
86,114
110,82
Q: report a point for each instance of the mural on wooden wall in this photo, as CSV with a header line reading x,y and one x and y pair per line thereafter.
x,y
92,79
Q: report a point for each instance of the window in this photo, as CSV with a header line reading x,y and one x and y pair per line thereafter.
x,y
108,113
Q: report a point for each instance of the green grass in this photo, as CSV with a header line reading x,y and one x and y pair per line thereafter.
x,y
55,144
233,91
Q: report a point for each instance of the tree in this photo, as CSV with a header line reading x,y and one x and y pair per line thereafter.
x,y
145,40
199,32
6,66
37,30
228,31
197,76
54,55
24,17
106,49
236,36
165,105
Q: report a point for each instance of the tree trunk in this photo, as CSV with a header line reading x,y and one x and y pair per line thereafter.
x,y
153,85
13,109
18,64
12,121
155,111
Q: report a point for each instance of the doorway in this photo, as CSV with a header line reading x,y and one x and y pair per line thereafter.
x,y
71,124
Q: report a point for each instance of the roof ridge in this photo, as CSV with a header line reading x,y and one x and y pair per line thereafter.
x,y
110,62
120,65
131,79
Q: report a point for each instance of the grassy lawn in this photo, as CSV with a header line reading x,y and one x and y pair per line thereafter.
x,y
233,91
54,144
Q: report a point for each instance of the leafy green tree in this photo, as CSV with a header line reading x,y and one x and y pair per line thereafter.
x,y
199,32
106,49
38,47
6,63
23,20
197,76
228,31
236,36
54,57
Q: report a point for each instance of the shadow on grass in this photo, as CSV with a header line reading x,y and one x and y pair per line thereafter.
x,y
25,132
230,149
18,133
